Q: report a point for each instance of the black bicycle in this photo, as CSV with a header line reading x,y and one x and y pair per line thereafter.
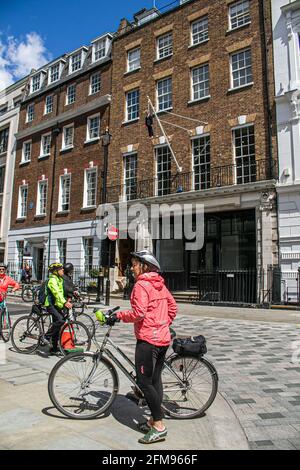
x,y
30,293
84,385
28,333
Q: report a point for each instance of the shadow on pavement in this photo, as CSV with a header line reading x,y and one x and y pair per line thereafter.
x,y
57,414
128,412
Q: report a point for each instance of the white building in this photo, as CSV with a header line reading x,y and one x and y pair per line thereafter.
x,y
286,35
10,100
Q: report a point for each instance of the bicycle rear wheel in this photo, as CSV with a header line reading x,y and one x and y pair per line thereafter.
x,y
74,335
190,385
83,385
5,324
25,335
27,294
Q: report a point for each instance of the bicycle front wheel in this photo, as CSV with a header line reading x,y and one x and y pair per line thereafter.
x,y
5,325
25,335
190,385
27,294
87,321
74,337
83,385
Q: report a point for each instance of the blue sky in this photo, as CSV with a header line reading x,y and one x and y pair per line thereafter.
x,y
32,32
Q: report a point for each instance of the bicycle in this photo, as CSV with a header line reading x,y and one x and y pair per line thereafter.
x,y
85,385
78,310
28,333
5,322
30,293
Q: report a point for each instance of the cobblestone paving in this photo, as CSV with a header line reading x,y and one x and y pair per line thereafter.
x,y
256,374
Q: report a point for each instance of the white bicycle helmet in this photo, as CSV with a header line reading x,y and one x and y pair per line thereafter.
x,y
148,258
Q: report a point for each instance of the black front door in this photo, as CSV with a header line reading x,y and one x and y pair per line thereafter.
x,y
39,264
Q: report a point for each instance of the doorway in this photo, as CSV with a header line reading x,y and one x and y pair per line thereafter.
x,y
39,263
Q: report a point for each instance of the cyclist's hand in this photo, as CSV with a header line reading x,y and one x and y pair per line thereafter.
x,y
112,319
68,305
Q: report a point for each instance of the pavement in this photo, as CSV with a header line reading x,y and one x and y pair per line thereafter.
x,y
255,351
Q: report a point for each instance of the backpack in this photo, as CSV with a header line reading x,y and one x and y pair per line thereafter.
x,y
194,346
42,293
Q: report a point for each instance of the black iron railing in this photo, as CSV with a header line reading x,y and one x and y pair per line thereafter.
x,y
214,176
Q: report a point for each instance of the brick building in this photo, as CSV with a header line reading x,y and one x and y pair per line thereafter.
x,y
210,61
59,159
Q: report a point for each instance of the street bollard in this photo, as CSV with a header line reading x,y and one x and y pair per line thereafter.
x,y
107,292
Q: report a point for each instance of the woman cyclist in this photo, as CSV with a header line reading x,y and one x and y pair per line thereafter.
x,y
6,282
153,310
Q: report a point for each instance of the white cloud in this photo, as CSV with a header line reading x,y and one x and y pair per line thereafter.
x,y
18,57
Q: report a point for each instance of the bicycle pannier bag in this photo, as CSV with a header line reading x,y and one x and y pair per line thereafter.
x,y
195,345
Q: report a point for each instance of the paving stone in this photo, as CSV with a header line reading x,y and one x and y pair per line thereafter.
x,y
263,443
243,401
270,415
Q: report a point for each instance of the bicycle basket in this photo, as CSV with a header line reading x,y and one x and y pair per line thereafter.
x,y
195,345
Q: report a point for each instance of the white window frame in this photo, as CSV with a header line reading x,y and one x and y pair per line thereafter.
x,y
86,244
31,115
238,70
251,157
244,14
207,95
85,193
40,78
89,119
2,178
38,202
203,31
164,189
62,242
82,54
73,85
42,154
24,159
60,201
137,104
103,41
69,146
135,63
163,51
204,183
22,214
46,110
60,66
98,84
158,96
130,182
4,136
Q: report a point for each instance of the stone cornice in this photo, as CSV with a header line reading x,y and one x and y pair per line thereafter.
x,y
86,108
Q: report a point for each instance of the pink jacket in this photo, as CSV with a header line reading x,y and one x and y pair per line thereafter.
x,y
5,283
153,310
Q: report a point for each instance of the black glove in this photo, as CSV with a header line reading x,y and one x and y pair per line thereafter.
x,y
112,319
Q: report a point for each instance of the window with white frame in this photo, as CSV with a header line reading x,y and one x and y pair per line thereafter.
x,y
88,247
62,250
30,112
36,82
95,83
90,186
4,133
71,94
133,59
201,162
132,105
130,176
199,31
65,192
239,14
200,82
164,46
54,73
76,61
2,178
42,197
93,127
163,170
244,150
45,145
99,50
49,104
68,136
241,68
164,94
22,206
26,151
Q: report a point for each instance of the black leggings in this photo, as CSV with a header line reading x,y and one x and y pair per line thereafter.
x,y
149,360
58,321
